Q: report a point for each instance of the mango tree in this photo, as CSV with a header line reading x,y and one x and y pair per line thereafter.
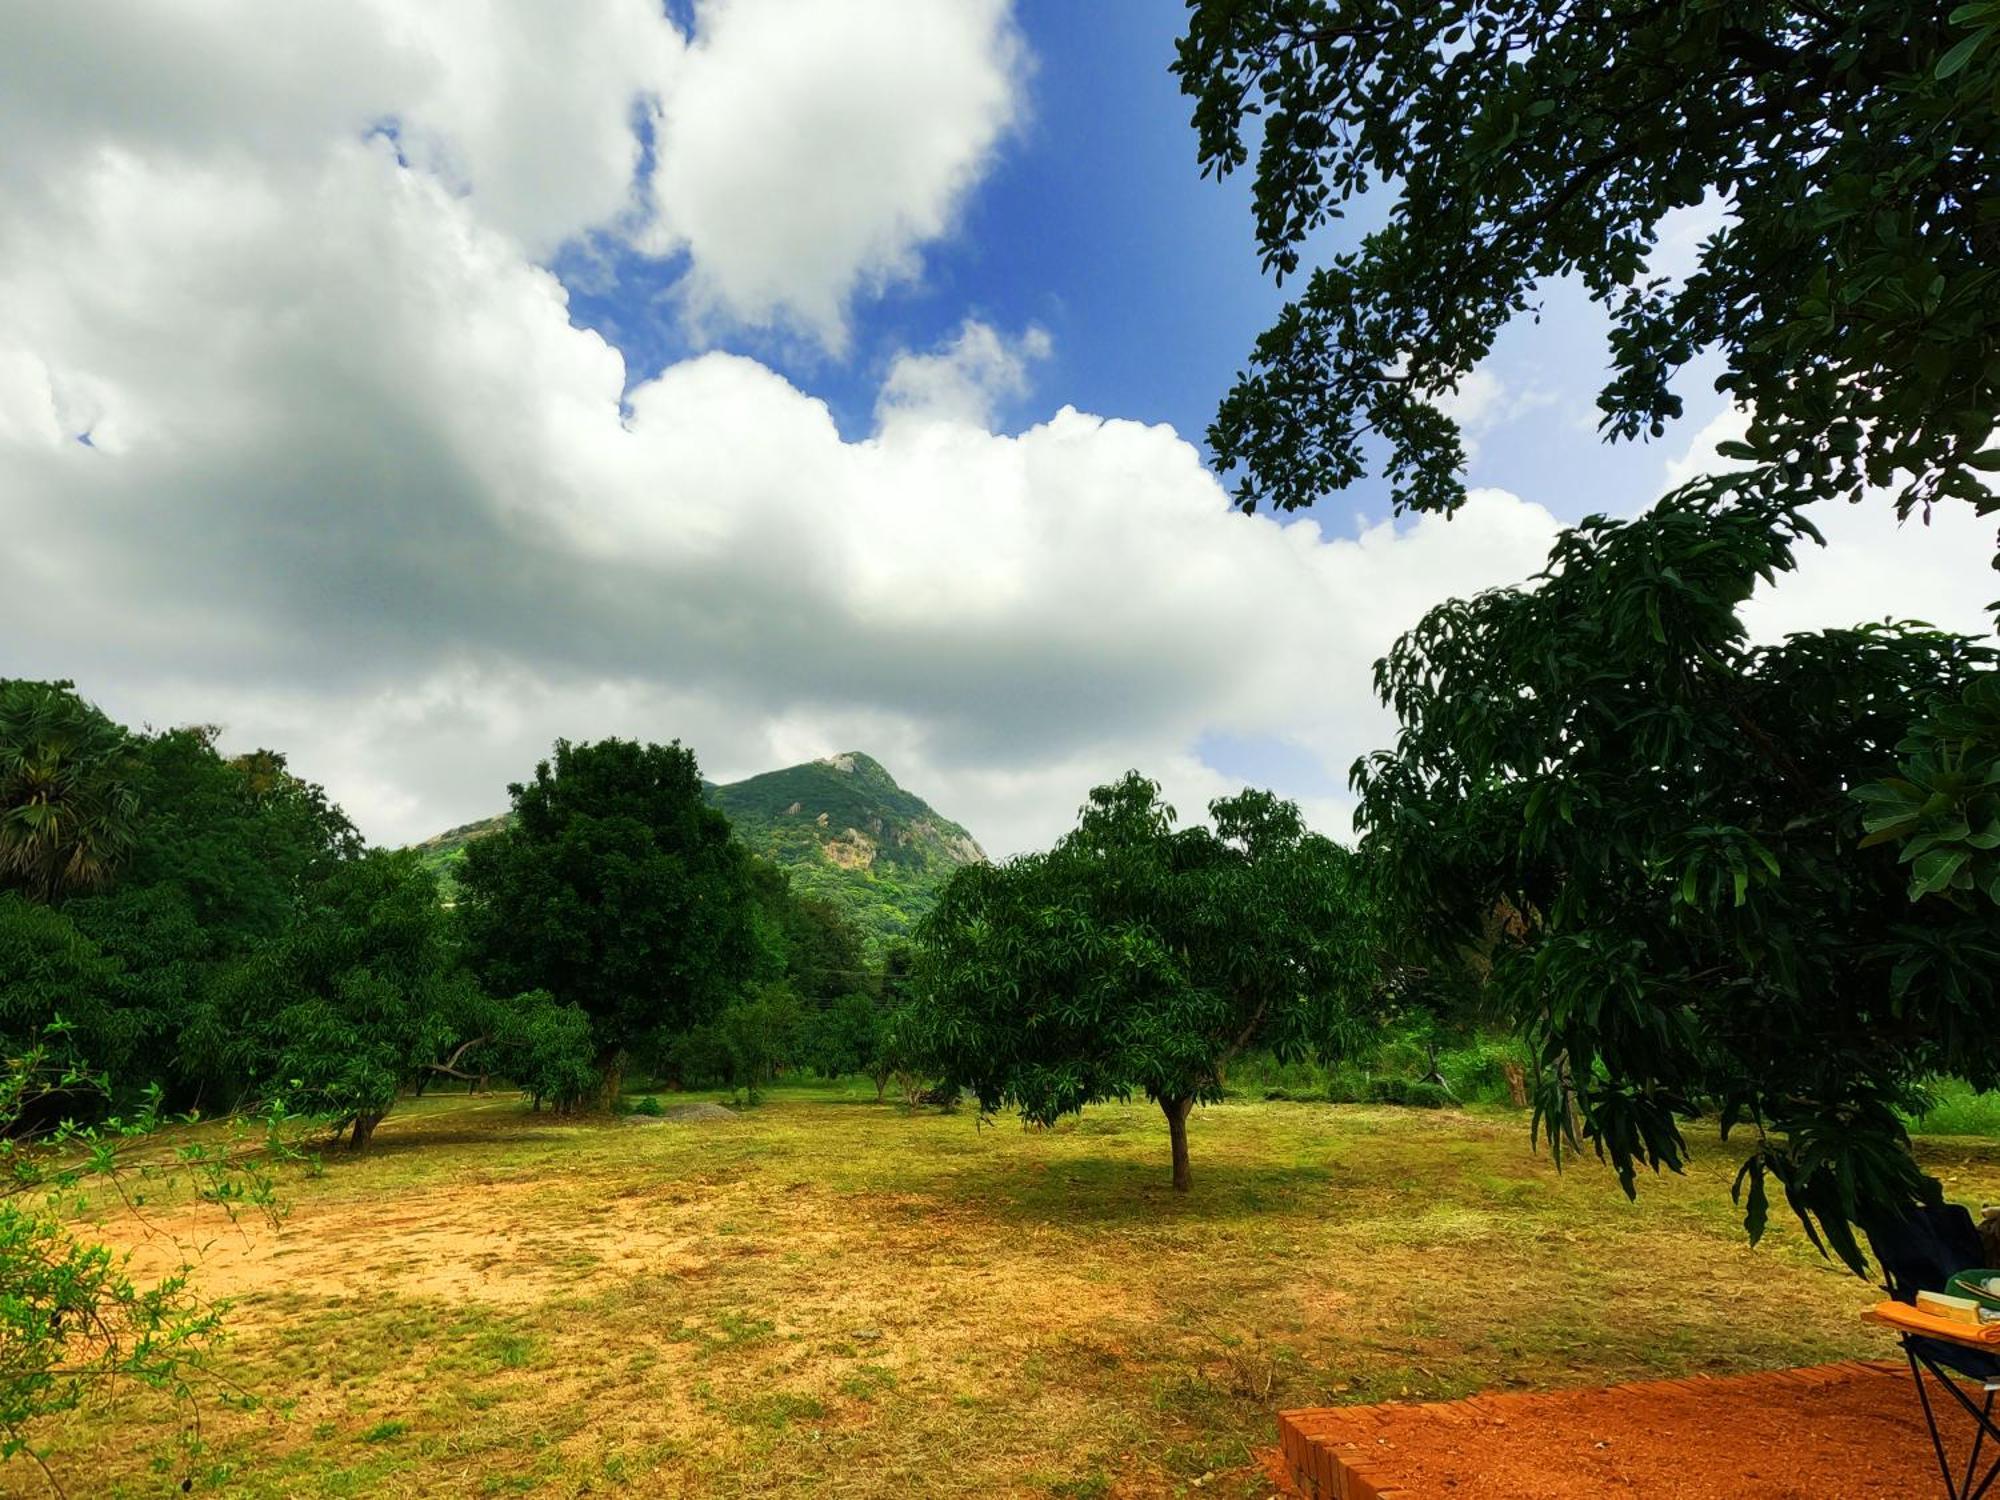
x,y
1137,957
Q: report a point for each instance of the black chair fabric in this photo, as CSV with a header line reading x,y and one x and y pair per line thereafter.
x,y
1920,1254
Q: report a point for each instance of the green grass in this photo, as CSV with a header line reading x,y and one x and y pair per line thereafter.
x,y
827,1296
1956,1110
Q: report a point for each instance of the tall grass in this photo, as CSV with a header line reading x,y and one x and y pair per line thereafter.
x,y
1956,1108
1474,1072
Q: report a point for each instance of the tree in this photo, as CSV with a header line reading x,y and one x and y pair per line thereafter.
x,y
1137,957
223,851
1666,813
1852,293
617,889
544,1047
850,1035
358,996
53,975
67,802
1673,815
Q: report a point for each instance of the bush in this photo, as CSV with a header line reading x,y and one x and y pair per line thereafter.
x,y
1478,1073
1413,1093
648,1106
1258,1075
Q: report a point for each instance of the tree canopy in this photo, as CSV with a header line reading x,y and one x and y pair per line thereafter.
x,y
358,995
1138,957
1708,913
616,889
1851,291
67,803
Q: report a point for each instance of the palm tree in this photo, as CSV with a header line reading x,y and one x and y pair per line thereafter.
x,y
67,799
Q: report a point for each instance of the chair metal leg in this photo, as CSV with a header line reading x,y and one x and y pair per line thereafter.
x,y
1983,1427
1978,1438
1930,1421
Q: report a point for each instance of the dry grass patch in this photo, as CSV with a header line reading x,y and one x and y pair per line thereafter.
x,y
828,1296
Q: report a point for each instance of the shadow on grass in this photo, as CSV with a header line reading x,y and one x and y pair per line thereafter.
x,y
1111,1190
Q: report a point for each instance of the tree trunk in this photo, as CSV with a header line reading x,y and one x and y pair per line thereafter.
x,y
611,1068
1176,1111
881,1086
423,1082
363,1132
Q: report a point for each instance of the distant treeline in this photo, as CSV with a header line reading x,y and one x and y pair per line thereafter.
x,y
212,926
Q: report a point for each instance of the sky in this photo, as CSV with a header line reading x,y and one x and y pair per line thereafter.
x,y
404,387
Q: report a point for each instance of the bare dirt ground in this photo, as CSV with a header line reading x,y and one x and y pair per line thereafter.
x,y
1841,1432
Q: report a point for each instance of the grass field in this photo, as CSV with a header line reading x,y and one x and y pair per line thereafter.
x,y
833,1297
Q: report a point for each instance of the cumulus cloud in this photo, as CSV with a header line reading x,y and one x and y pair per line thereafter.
x,y
810,147
1872,567
355,486
296,436
967,379
801,149
530,107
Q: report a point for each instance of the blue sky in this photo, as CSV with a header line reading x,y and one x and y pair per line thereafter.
x,y
1095,225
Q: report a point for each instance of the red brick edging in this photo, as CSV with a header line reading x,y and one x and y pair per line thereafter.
x,y
1331,1454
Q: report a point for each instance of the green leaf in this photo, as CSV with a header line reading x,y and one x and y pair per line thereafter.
x,y
1960,55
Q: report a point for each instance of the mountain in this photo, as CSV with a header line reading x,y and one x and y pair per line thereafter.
x,y
841,827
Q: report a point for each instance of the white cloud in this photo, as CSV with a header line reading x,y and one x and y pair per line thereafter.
x,y
527,106
803,149
811,147
1873,567
967,379
358,488
1482,401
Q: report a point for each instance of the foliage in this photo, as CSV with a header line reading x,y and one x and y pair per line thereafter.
x,y
236,837
72,1320
1137,957
544,1047
617,889
763,1032
1950,1106
850,1035
358,994
1851,292
220,855
67,802
1667,809
50,970
1942,807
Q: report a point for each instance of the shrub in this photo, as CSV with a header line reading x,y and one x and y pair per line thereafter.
x,y
1412,1093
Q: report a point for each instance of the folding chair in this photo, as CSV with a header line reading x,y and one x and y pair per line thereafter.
x,y
1922,1253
